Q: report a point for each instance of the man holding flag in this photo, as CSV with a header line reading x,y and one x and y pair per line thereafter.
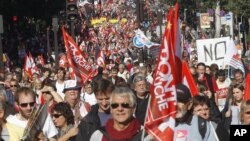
x,y
164,109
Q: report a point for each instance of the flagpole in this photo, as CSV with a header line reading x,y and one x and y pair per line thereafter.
x,y
143,131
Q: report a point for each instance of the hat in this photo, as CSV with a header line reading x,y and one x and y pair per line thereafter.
x,y
183,93
70,85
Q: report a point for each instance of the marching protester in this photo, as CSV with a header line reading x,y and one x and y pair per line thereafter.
x,y
140,87
189,126
10,93
223,84
63,119
245,113
25,99
88,95
60,81
201,107
231,112
99,113
49,96
4,133
72,97
122,126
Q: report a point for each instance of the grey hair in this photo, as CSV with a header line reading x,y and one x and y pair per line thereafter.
x,y
139,77
124,92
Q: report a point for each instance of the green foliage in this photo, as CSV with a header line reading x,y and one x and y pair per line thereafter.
x,y
239,7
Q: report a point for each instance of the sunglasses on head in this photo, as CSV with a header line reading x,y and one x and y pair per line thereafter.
x,y
31,104
124,105
56,115
248,112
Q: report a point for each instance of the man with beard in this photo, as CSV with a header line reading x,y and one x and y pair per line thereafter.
x,y
25,99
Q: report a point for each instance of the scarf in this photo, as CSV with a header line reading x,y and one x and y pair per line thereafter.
x,y
127,134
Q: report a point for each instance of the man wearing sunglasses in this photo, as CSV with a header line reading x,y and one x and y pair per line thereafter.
x,y
10,93
123,126
25,99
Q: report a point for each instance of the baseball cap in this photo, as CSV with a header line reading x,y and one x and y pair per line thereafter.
x,y
183,93
71,85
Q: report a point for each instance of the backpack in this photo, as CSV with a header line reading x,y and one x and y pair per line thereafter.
x,y
137,137
202,125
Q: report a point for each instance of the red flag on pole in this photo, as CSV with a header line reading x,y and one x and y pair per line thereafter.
x,y
100,61
79,67
188,80
27,66
247,88
177,45
161,112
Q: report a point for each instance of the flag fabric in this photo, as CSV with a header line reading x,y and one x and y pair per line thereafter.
x,y
188,80
161,111
141,40
63,62
27,66
237,63
34,68
247,88
80,69
230,52
100,61
177,45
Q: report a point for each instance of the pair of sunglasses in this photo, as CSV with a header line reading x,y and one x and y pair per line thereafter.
x,y
123,105
248,112
56,115
31,104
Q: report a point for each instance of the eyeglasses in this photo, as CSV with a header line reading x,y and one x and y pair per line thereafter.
x,y
56,115
13,85
124,105
248,112
31,104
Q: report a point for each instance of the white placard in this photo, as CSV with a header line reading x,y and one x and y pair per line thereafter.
x,y
212,51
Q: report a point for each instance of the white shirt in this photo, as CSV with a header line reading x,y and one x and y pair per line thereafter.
x,y
90,98
59,89
49,129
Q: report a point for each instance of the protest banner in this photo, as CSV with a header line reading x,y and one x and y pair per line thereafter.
x,y
213,51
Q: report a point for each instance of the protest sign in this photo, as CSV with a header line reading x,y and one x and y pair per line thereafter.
x,y
212,51
204,20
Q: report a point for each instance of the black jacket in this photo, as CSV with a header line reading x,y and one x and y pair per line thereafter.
x,y
89,124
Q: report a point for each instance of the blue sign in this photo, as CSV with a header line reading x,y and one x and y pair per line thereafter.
x,y
137,43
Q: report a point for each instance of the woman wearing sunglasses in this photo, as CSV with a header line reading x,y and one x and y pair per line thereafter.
x,y
63,119
245,113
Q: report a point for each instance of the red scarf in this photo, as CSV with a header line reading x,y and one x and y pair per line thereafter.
x,y
127,134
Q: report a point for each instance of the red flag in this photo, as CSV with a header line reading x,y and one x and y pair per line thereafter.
x,y
177,45
34,68
161,112
79,67
100,61
27,66
247,88
188,80
63,62
237,63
